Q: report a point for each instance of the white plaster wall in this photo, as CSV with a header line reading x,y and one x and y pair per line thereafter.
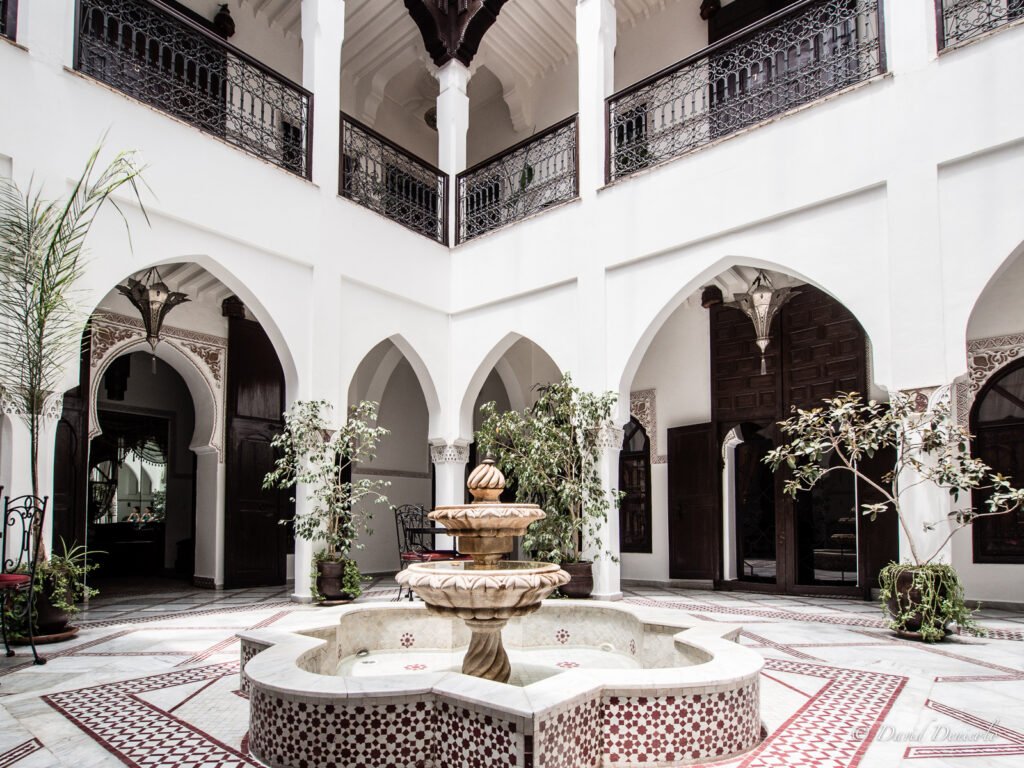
x,y
678,367
403,459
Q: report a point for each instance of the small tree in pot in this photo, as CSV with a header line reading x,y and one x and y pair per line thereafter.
x,y
921,597
318,457
42,258
551,452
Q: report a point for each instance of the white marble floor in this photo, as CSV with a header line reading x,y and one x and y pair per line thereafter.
x,y
151,680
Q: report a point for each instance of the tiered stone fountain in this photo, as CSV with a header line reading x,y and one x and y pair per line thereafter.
x,y
595,683
490,590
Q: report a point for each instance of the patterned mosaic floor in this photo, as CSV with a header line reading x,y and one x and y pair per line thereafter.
x,y
152,680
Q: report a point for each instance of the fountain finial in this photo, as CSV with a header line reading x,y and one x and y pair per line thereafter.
x,y
486,482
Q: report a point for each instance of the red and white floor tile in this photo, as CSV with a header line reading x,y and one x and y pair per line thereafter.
x,y
838,690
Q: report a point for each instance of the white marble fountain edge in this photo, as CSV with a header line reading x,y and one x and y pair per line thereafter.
x,y
277,668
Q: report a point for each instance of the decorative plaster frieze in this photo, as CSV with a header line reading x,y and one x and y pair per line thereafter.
x,y
114,333
610,438
643,406
53,405
984,357
449,453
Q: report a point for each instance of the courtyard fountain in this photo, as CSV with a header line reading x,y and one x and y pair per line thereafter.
x,y
589,683
490,590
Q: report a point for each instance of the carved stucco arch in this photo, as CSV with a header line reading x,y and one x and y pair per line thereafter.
x,y
198,358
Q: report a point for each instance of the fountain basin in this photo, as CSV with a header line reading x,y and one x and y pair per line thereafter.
x,y
471,591
673,690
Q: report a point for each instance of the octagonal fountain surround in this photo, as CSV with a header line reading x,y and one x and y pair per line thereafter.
x,y
431,685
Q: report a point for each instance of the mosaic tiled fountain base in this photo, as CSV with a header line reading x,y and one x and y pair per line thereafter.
x,y
382,687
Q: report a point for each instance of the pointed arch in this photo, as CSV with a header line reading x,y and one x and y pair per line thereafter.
x,y
386,367
493,361
628,370
253,303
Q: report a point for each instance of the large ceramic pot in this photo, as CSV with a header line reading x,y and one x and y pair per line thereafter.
x,y
906,596
330,577
581,583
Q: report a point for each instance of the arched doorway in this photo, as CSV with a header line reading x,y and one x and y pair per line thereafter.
x,y
997,422
142,473
720,514
635,486
236,381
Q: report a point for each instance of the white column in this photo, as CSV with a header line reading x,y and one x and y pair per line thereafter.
x,y
48,31
603,548
925,503
452,129
449,461
210,512
595,43
323,29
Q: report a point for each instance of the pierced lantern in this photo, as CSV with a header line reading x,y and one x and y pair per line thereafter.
x,y
154,300
761,303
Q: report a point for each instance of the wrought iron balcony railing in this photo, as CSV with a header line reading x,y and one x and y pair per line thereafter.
x,y
960,20
162,58
8,18
381,176
535,174
797,55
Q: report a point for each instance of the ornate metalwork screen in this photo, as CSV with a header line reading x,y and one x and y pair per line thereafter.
x,y
383,177
166,60
795,56
8,18
529,177
963,19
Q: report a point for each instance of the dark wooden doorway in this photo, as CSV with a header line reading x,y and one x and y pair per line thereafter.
x,y
807,545
997,421
255,541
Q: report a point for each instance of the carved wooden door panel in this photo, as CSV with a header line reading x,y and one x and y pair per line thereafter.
x,y
693,502
255,543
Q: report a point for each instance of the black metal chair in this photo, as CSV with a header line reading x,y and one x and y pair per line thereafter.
x,y
416,539
22,525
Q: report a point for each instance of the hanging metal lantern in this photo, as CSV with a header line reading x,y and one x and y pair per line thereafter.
x,y
761,303
154,300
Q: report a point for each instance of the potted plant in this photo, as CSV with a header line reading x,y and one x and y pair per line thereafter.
x,y
922,597
319,458
551,452
42,249
58,589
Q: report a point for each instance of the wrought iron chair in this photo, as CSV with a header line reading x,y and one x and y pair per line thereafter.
x,y
416,539
22,526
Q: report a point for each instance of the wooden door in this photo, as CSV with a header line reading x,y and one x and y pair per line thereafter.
x,y
71,459
255,542
694,478
999,539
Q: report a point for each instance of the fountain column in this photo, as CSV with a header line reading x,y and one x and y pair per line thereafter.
x,y
488,591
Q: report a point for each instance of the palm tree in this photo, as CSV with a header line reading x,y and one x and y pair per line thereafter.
x,y
42,248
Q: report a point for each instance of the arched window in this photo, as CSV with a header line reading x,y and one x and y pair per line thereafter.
x,y
635,483
997,421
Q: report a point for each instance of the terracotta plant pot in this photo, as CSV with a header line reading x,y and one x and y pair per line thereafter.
x,y
582,582
906,596
329,580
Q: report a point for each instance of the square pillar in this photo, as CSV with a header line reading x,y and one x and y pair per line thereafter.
x,y
449,460
595,43
323,29
603,546
452,130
